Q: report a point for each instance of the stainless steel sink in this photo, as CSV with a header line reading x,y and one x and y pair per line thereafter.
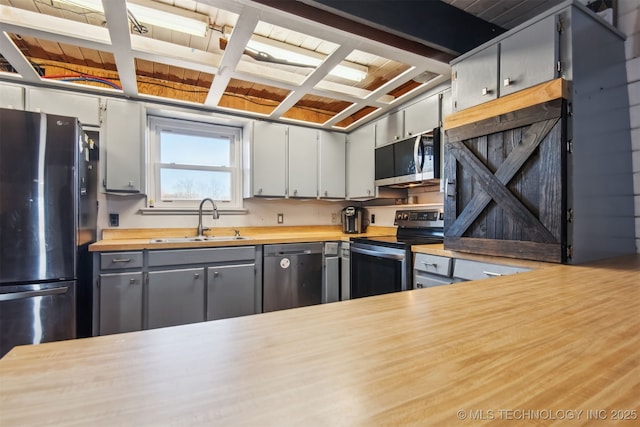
x,y
197,239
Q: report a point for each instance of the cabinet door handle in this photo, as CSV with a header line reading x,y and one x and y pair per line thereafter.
x,y
216,274
115,260
485,91
132,281
196,275
507,82
491,273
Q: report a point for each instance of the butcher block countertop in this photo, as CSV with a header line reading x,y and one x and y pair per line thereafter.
x,y
140,238
554,346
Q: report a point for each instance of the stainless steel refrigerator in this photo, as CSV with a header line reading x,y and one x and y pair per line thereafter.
x,y
47,221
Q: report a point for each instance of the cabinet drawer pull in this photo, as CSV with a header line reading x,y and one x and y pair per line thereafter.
x,y
115,260
491,273
132,281
216,274
432,264
196,275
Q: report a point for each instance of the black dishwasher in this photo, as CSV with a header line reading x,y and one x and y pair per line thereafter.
x,y
292,275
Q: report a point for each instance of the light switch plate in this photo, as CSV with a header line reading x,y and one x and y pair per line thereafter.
x,y
280,218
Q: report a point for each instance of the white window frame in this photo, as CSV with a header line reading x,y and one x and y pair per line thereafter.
x,y
156,125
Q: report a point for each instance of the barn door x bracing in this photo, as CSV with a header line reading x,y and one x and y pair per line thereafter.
x,y
505,191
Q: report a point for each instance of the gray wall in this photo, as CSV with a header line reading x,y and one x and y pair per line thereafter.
x,y
629,24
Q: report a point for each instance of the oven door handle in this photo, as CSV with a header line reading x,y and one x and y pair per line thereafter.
x,y
377,254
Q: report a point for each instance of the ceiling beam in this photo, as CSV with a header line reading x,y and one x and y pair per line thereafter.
x,y
117,19
433,29
313,79
238,40
11,53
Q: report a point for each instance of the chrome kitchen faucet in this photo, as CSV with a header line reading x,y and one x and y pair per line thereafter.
x,y
201,229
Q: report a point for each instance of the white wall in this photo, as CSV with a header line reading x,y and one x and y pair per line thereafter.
x,y
629,24
260,212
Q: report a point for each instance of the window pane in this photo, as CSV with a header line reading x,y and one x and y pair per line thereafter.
x,y
180,184
187,149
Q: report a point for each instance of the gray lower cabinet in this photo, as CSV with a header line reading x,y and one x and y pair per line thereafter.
x,y
120,302
156,288
175,297
231,291
431,270
434,270
475,270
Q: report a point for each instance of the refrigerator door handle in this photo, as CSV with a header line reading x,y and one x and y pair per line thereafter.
x,y
32,294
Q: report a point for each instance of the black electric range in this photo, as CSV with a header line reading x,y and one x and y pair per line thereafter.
x,y
384,264
415,227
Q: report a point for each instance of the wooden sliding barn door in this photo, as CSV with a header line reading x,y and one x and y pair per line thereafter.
x,y
505,188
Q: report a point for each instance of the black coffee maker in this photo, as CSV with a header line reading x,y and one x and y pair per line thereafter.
x,y
353,220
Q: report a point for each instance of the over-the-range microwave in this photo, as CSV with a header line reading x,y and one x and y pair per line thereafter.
x,y
412,161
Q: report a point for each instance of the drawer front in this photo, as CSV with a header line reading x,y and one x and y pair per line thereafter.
x,y
120,260
433,264
161,258
428,281
475,270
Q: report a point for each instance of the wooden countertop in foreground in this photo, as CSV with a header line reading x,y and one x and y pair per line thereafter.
x,y
552,343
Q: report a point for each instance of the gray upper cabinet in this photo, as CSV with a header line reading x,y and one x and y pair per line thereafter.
x,y
124,136
529,57
475,79
11,97
269,164
332,165
361,163
446,105
422,116
521,59
85,107
296,162
302,162
390,128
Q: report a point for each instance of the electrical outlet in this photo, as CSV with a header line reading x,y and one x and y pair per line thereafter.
x,y
280,218
373,218
114,220
334,218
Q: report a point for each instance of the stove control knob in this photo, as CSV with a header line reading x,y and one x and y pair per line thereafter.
x,y
405,216
399,216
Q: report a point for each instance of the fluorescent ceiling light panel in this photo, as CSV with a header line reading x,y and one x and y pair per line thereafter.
x,y
278,50
156,15
171,21
87,4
